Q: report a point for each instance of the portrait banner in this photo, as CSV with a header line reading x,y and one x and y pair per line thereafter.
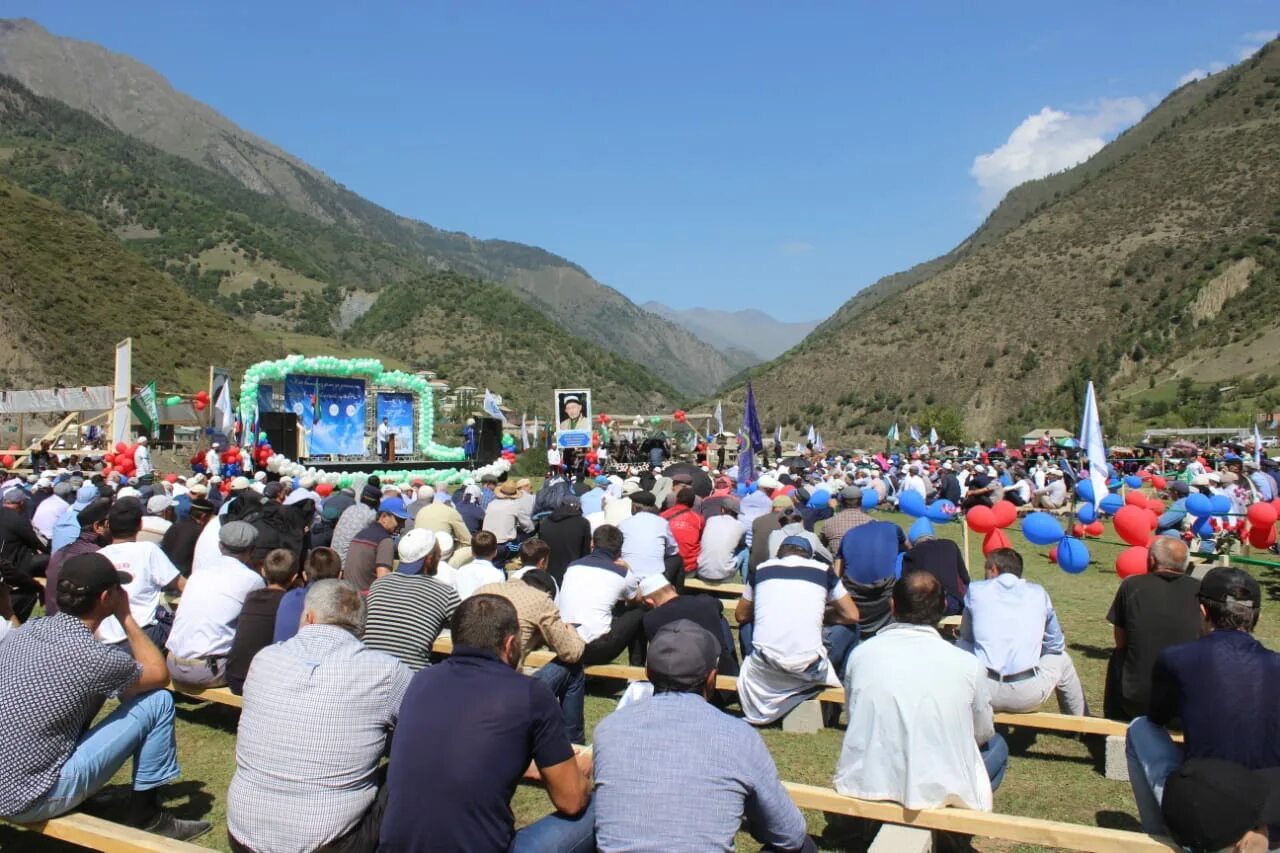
x,y
331,411
573,417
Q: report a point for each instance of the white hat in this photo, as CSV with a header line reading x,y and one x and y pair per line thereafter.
x,y
216,478
650,584
947,466
1053,472
768,481
260,488
260,476
142,439
426,493
445,540
630,487
979,469
1200,480
239,483
198,489
158,504
416,544
128,492
1214,477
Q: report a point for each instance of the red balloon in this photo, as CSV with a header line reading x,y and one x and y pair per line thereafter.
x,y
121,447
1094,529
1077,530
1155,505
199,405
1004,513
1262,537
995,539
109,458
1132,561
1262,515
8,461
980,519
1158,482
1144,474
202,396
1153,520
1135,498
1053,554
1132,524
324,490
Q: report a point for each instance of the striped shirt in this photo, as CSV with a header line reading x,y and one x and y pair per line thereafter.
x,y
406,614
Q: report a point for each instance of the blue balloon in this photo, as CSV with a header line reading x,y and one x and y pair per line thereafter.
x,y
1199,505
1040,528
1133,481
1202,528
1111,504
921,528
1221,504
911,503
1084,489
1087,514
1073,555
941,511
870,497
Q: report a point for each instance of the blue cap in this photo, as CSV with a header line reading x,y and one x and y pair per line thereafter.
x,y
602,480
799,542
88,494
395,506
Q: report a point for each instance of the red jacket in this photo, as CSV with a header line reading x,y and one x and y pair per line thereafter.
x,y
686,527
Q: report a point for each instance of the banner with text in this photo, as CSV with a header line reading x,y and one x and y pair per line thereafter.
x,y
331,411
397,410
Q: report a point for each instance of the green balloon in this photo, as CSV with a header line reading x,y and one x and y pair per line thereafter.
x,y
655,420
173,401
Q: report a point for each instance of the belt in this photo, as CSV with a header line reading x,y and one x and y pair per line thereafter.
x,y
1017,676
210,662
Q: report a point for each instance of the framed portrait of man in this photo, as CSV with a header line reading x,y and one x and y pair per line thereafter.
x,y
573,417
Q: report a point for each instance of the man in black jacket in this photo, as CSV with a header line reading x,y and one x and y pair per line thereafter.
x,y
568,535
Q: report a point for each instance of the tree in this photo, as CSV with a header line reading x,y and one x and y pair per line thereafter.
x,y
946,420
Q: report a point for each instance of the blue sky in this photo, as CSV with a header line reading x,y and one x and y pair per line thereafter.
x,y
778,156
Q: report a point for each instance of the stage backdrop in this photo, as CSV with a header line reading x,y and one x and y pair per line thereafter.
x,y
398,410
331,411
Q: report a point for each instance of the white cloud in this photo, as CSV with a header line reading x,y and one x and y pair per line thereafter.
x,y
796,247
1200,73
1050,141
1251,43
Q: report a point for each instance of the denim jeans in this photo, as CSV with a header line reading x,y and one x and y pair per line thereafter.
x,y
142,727
557,833
840,640
569,684
995,757
1152,756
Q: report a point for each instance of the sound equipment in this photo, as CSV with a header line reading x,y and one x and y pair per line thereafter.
x,y
488,440
282,431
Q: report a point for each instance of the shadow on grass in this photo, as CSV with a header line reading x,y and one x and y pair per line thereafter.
x,y
211,714
187,800
1091,652
1269,580
1108,819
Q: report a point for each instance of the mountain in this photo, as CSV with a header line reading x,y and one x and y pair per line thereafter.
x,y
750,334
1151,269
69,291
127,96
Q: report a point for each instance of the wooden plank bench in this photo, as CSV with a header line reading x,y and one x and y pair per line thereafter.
x,y
1025,830
98,834
733,590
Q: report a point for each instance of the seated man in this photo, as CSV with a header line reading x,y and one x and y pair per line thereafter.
x,y
372,551
785,601
1151,612
594,596
533,597
318,714
921,732
409,607
452,775
205,625
94,533
321,564
481,570
648,546
942,559
1224,687
686,525
723,551
54,676
867,565
507,518
666,606
1010,624
257,623
151,570
1210,804
726,773
1054,494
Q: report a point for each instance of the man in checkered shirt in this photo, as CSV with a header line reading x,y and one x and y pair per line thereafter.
x,y
54,677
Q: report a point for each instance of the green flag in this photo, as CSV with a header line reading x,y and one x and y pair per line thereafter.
x,y
892,434
143,406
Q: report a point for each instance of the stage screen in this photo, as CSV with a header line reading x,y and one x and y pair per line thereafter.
x,y
331,411
398,410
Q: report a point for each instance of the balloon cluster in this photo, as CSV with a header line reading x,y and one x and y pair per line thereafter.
x,y
286,467
680,415
911,503
201,400
508,447
992,522
369,369
121,459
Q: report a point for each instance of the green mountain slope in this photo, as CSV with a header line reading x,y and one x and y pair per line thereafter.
x,y
69,291
1152,266
133,99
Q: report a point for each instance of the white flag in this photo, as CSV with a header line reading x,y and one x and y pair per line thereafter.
x,y
226,416
1257,447
1091,439
933,435
524,432
719,416
491,403
813,435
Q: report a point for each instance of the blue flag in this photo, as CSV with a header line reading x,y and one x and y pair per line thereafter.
x,y
755,441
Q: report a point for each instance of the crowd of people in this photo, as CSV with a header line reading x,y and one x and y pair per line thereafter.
x,y
323,607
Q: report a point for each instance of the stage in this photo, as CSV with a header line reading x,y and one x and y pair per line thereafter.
x,y
368,466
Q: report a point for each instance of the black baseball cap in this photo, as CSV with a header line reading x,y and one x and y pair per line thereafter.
x,y
126,515
91,573
683,651
1208,803
1229,585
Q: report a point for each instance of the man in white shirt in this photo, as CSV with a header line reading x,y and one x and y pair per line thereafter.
x,y
1009,624
784,604
1054,493
553,461
384,436
508,517
157,521
205,624
153,573
921,731
647,541
591,598
914,482
142,458
481,570
724,544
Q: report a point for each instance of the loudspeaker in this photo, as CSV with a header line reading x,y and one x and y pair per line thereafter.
x,y
488,440
282,431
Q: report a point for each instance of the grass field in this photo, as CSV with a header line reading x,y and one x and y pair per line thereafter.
x,y
1049,776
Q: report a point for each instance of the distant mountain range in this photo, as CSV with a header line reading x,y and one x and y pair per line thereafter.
x,y
370,248
747,337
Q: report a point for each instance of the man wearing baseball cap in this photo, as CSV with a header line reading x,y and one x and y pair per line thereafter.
x,y
1224,687
724,768
54,676
372,551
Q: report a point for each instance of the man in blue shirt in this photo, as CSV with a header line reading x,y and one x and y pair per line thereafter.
x,y
1010,625
1224,687
721,768
467,731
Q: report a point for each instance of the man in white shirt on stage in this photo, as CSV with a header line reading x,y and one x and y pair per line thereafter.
x,y
384,437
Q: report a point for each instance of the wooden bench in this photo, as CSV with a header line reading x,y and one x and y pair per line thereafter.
x,y
730,589
98,834
1025,830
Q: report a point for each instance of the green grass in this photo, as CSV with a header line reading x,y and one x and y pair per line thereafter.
x,y
1049,776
